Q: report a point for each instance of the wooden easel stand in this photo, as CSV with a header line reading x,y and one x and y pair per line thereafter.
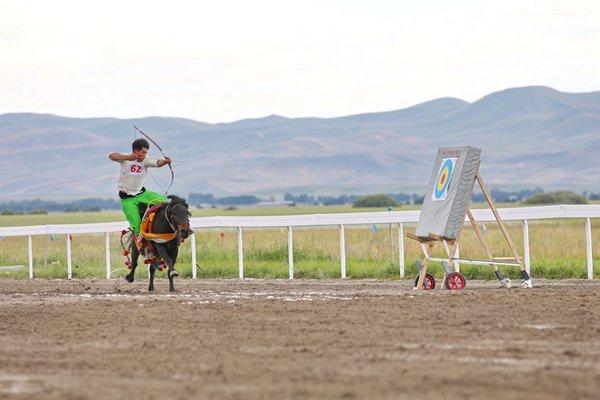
x,y
427,244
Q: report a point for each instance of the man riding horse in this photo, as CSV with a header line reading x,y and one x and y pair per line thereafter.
x,y
167,223
132,177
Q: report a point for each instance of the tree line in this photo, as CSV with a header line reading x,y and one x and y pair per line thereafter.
x,y
39,206
526,196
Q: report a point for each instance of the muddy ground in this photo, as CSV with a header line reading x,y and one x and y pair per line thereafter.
x,y
265,339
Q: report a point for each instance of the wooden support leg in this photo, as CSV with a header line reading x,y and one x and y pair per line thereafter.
x,y
451,251
504,281
526,278
426,250
486,249
490,201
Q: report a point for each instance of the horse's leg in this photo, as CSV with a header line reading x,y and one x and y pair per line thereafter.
x,y
171,284
134,254
151,286
163,252
172,272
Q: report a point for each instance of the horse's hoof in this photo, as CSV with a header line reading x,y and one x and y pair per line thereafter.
x,y
129,278
151,289
171,289
173,273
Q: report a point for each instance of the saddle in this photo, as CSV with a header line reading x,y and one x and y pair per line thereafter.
x,y
146,239
146,228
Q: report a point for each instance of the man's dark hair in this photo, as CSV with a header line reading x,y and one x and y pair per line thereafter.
x,y
139,144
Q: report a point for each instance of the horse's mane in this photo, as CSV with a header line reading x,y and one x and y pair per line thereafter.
x,y
177,200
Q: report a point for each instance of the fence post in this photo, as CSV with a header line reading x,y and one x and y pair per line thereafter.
x,y
588,245
240,253
342,251
526,246
291,252
107,253
401,249
30,255
69,265
193,250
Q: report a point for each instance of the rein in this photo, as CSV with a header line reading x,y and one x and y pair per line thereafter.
x,y
171,225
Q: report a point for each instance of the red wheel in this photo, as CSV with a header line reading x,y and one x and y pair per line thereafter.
x,y
455,281
428,282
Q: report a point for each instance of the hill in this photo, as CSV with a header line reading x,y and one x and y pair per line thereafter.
x,y
531,136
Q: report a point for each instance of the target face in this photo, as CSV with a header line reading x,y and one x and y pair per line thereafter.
x,y
442,182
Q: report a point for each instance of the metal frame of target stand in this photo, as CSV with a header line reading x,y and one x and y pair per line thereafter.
x,y
450,246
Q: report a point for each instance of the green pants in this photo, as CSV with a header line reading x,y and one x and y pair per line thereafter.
x,y
132,211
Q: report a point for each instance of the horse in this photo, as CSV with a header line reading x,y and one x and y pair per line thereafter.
x,y
170,218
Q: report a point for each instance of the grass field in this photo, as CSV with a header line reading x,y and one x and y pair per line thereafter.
x,y
557,248
117,215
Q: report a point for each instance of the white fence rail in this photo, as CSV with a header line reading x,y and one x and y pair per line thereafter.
x,y
523,214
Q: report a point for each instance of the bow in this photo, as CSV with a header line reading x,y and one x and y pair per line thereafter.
x,y
162,152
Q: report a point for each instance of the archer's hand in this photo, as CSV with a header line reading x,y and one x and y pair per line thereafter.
x,y
167,160
131,157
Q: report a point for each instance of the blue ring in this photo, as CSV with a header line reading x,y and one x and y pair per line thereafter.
x,y
439,193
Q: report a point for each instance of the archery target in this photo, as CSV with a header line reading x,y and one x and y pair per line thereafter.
x,y
442,182
449,192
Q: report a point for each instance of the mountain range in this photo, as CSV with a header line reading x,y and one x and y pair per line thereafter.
x,y
530,136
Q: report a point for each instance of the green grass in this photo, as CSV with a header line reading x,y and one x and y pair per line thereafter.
x,y
117,215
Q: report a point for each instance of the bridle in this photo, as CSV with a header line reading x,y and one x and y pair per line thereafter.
x,y
169,221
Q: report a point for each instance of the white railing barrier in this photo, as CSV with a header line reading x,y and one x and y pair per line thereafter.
x,y
588,248
401,249
342,252
240,253
107,254
523,214
30,255
526,259
193,251
69,261
290,252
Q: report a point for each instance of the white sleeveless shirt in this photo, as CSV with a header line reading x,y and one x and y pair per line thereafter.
x,y
133,175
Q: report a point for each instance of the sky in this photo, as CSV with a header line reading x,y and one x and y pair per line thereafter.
x,y
220,61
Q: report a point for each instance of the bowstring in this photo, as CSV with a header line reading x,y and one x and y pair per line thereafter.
x,y
148,170
155,180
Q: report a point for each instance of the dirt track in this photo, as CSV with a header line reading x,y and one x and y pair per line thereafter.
x,y
300,340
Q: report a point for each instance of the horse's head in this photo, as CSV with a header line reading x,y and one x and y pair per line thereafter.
x,y
179,215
